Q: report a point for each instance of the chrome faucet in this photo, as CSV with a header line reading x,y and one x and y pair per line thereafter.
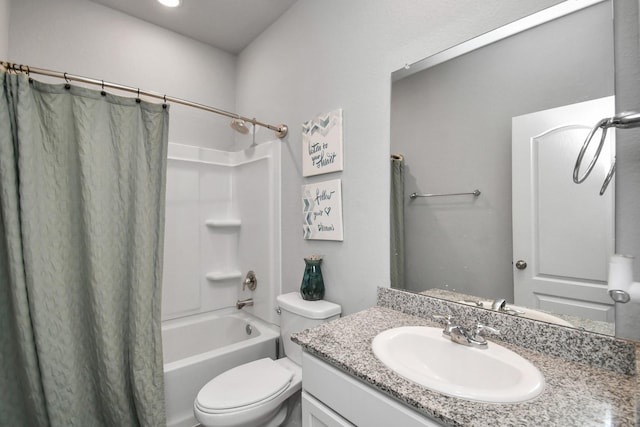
x,y
500,305
448,325
472,338
464,336
244,303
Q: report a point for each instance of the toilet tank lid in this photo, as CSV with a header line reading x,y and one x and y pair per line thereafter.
x,y
320,309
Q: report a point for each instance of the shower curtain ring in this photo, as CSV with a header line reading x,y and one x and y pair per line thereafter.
x,y
138,98
67,85
29,74
102,92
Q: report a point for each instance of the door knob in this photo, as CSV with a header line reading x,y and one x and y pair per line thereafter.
x,y
521,265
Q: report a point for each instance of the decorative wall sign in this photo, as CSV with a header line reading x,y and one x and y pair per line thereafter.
x,y
322,210
322,144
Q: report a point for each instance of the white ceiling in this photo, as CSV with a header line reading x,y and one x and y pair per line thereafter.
x,y
229,25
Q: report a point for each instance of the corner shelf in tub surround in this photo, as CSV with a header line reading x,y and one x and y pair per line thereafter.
x,y
223,223
579,390
233,227
223,275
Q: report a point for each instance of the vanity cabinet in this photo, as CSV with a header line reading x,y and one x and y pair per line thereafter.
x,y
316,414
331,398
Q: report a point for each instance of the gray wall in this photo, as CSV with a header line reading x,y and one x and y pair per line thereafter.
x,y
85,38
452,123
319,56
4,29
627,39
329,54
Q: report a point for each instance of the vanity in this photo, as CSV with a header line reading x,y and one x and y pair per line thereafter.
x,y
590,379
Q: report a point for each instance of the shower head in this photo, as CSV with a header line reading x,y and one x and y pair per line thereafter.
x,y
244,126
240,125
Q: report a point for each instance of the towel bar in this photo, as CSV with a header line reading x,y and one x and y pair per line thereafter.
x,y
413,196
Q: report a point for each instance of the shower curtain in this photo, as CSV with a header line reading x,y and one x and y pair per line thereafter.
x,y
397,221
82,180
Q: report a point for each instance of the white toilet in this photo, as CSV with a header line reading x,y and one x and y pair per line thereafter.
x,y
257,393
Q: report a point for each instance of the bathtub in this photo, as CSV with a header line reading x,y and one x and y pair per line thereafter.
x,y
199,347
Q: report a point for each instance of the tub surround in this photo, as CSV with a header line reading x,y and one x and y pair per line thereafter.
x,y
590,379
214,234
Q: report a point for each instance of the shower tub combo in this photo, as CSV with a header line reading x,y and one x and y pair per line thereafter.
x,y
197,348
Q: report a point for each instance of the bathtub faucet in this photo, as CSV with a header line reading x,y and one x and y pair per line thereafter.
x,y
244,302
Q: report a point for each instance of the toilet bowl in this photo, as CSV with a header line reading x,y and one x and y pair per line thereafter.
x,y
244,395
258,393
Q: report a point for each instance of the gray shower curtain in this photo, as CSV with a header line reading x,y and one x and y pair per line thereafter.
x,y
397,221
82,180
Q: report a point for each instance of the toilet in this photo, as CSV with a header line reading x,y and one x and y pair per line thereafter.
x,y
259,393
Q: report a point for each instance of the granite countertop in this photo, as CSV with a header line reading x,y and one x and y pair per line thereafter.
x,y
606,328
576,394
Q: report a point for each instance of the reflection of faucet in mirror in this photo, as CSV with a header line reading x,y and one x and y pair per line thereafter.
x,y
468,245
499,304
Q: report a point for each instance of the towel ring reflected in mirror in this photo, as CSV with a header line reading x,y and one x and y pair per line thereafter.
x,y
627,120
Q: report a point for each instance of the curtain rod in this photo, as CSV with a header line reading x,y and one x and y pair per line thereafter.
x,y
280,130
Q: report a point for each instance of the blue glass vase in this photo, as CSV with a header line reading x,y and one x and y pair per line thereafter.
x,y
312,287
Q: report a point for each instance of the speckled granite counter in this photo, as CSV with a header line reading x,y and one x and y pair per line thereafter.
x,y
606,328
576,393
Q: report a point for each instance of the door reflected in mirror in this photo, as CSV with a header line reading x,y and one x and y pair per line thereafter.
x,y
451,122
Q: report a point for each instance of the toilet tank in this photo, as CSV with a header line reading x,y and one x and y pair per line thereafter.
x,y
297,314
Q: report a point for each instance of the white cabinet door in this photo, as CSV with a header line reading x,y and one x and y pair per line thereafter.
x,y
315,414
564,232
353,401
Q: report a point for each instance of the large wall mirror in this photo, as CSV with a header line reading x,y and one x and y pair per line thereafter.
x,y
506,114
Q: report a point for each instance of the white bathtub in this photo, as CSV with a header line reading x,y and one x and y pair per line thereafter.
x,y
199,347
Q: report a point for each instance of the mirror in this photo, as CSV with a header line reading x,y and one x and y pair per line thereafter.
x,y
454,118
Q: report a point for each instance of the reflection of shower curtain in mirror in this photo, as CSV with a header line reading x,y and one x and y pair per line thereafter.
x,y
397,221
82,183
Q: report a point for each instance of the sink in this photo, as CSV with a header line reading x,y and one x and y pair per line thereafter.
x,y
523,312
424,356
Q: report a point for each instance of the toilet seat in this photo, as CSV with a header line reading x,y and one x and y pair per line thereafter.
x,y
228,392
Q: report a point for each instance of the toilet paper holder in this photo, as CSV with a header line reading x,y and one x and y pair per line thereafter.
x,y
620,283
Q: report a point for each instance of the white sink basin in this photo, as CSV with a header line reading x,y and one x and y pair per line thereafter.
x,y
529,313
422,355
